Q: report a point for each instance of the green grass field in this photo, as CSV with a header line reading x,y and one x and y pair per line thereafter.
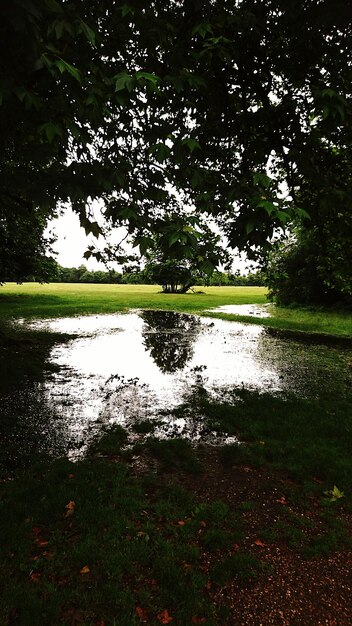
x,y
32,299
100,543
35,300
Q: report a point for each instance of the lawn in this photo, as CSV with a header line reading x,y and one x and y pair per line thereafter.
x,y
147,531
35,300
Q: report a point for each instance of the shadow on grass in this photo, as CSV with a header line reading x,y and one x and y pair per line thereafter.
x,y
305,438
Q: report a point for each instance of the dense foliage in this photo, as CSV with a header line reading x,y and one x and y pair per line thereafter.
x,y
302,271
183,108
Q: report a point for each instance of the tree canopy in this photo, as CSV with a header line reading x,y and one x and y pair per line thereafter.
x,y
232,111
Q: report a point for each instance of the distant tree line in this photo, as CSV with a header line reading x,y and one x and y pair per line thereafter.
x,y
82,275
253,279
134,275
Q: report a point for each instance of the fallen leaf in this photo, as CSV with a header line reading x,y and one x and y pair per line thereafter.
x,y
85,570
181,523
247,469
36,530
71,476
72,616
143,535
41,543
203,524
259,543
235,547
70,506
141,614
48,555
334,494
35,577
164,617
282,500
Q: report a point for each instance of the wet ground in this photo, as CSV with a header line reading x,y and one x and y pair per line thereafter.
x,y
126,368
255,310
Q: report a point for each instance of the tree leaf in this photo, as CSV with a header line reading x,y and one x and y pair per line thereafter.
x,y
174,238
249,227
282,500
207,267
259,543
202,29
144,244
164,617
334,494
267,205
259,178
59,27
141,614
95,229
127,9
35,577
88,32
66,67
51,130
124,81
54,6
151,78
191,143
161,151
70,508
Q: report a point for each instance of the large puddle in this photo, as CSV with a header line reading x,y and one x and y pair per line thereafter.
x,y
126,368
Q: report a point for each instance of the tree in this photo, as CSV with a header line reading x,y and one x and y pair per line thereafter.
x,y
41,121
219,103
315,264
197,251
173,276
24,248
305,269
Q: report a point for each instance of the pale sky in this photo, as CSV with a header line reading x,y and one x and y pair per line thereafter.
x,y
72,242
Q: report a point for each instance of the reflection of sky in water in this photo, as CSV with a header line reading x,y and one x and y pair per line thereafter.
x,y
255,310
107,374
226,350
127,367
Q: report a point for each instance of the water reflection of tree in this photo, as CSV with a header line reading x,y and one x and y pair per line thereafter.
x,y
169,337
